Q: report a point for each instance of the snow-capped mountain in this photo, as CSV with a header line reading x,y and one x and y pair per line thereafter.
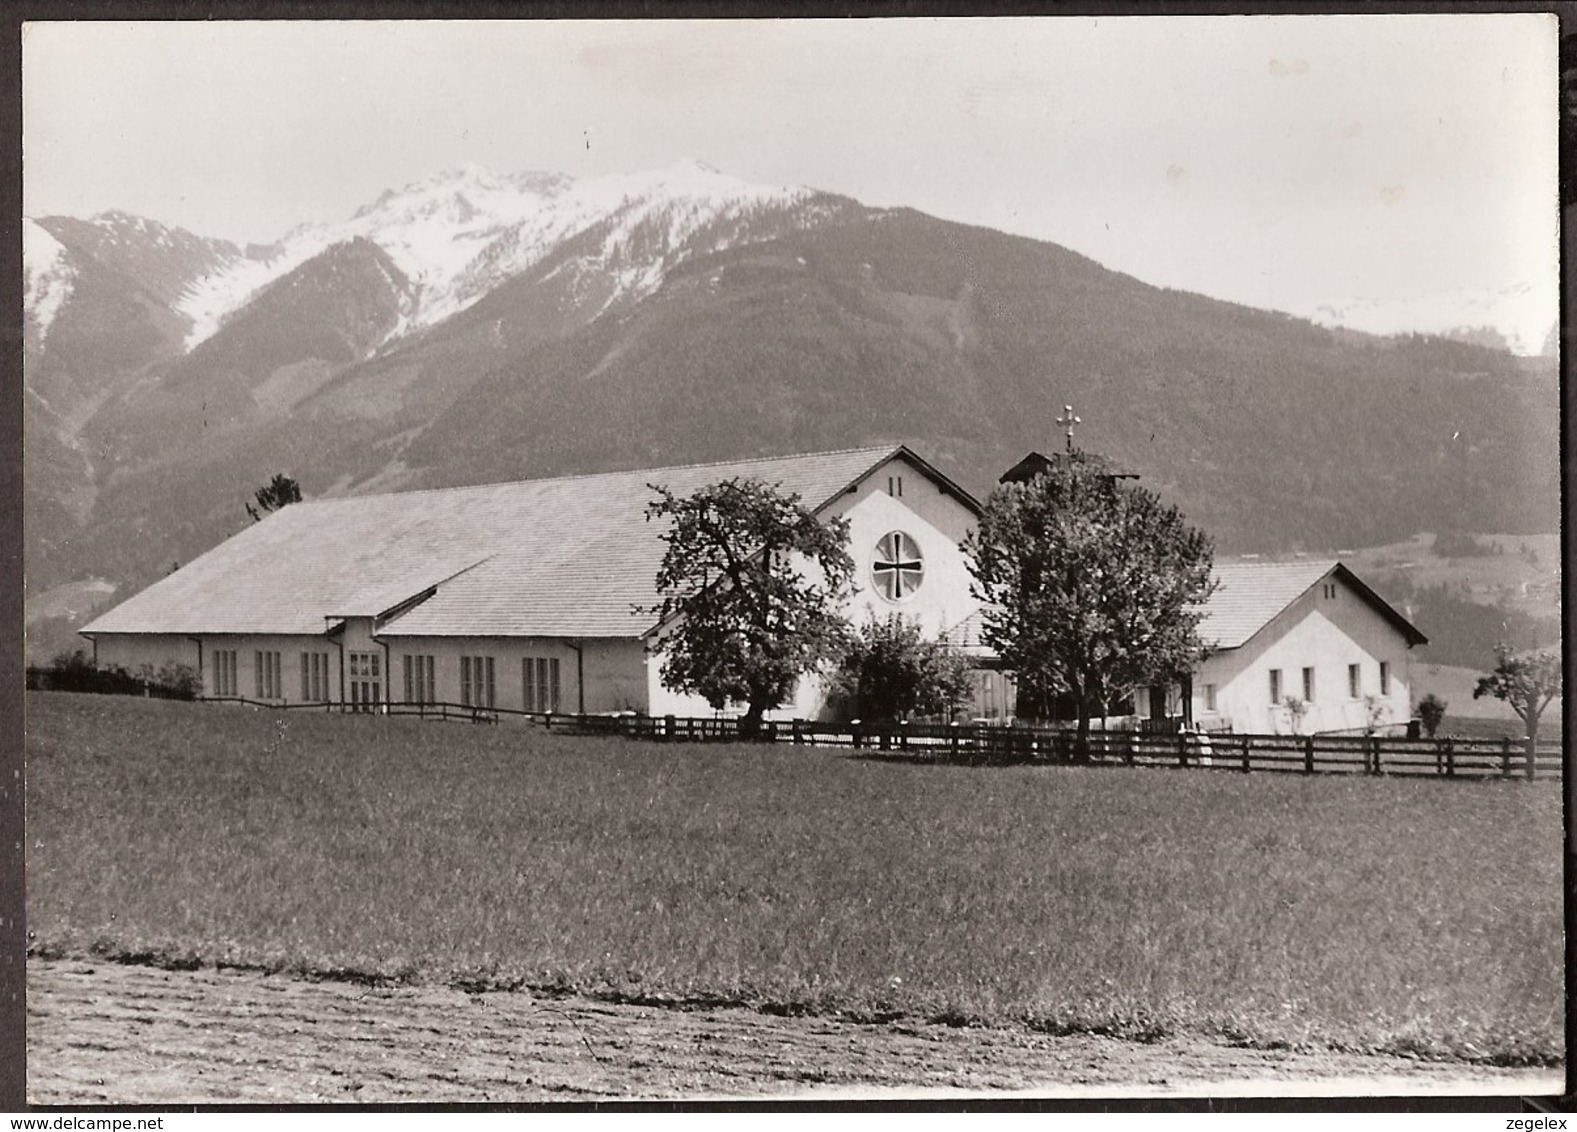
x,y
161,260
49,278
459,234
1520,318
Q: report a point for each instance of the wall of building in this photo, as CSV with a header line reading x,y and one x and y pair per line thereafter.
x,y
136,651
1319,632
290,649
808,701
507,654
613,669
616,677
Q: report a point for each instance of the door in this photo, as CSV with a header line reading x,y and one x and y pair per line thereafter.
x,y
366,681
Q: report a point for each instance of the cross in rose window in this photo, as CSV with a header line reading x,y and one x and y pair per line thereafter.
x,y
898,566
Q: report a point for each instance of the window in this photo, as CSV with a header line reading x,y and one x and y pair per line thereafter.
x,y
314,676
1329,589
420,680
1385,678
224,673
366,680
1210,697
895,486
1308,685
476,681
265,672
1354,681
898,567
539,683
1275,685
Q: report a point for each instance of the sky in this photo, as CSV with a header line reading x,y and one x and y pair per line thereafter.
x,y
1280,161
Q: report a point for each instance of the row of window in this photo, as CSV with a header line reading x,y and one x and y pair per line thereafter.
x,y
1354,683
539,679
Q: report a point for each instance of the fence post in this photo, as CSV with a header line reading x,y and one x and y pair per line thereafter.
x,y
1308,754
1182,748
1374,753
1530,742
1247,747
1451,759
1505,758
799,734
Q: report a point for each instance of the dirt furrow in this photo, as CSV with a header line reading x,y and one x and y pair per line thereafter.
x,y
108,1033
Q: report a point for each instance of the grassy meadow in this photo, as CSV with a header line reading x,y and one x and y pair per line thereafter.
x,y
1413,916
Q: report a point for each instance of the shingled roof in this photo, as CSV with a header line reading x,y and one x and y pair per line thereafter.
x,y
1250,594
572,556
1248,597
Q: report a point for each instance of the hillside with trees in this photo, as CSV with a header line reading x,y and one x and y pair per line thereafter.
x,y
867,326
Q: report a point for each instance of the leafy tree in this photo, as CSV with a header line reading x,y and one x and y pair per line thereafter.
x,y
1431,710
1092,587
751,585
1528,682
281,491
891,671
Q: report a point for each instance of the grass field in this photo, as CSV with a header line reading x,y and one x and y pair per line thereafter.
x,y
1414,916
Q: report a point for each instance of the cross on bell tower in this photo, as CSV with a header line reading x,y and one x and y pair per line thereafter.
x,y
1069,420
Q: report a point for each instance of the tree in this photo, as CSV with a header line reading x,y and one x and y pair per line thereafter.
x,y
1431,710
1091,587
1297,708
1376,710
751,585
891,671
1528,682
281,491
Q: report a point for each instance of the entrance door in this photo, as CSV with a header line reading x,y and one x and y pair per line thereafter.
x,y
366,681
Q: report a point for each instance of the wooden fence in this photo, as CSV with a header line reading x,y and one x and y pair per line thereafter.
x,y
988,745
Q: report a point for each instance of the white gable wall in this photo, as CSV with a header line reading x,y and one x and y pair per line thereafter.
x,y
1324,633
935,520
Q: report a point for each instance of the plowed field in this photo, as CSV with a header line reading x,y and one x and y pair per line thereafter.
x,y
107,1033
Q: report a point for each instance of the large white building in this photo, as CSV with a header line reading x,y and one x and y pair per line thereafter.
x,y
538,596
530,596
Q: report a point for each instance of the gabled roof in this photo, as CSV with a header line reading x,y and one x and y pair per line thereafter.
x,y
572,556
1248,597
965,634
1251,594
1035,464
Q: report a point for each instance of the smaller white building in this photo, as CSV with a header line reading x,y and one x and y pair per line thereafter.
x,y
1294,648
1299,648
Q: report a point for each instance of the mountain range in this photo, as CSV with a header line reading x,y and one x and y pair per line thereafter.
x,y
474,327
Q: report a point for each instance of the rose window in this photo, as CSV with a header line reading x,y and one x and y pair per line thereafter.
x,y
898,567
